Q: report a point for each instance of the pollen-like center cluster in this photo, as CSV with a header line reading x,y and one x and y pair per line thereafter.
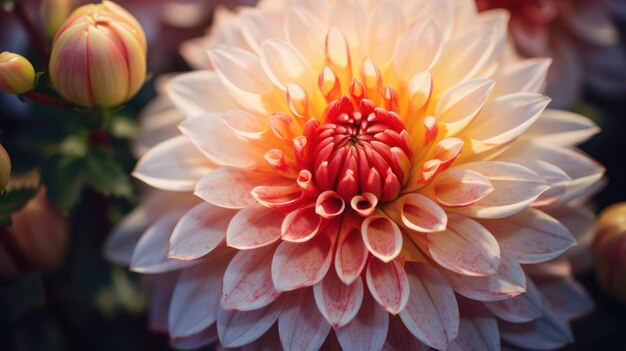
x,y
360,149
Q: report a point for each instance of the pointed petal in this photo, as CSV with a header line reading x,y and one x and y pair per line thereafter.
x,y
300,325
509,281
566,297
199,232
351,255
296,265
400,339
527,76
199,92
388,284
385,24
150,255
465,247
284,64
196,298
174,165
547,333
562,128
424,34
462,103
196,341
531,236
519,309
238,328
253,227
432,313
228,187
477,331
218,142
307,34
337,302
515,187
461,187
247,280
382,237
368,329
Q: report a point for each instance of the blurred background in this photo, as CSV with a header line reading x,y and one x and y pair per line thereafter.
x,y
72,299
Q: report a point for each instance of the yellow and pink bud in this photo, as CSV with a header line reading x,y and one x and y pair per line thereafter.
x,y
17,74
99,56
609,249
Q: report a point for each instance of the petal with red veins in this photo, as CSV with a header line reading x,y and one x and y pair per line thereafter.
x,y
150,255
461,187
531,236
196,300
507,282
388,284
419,213
432,313
382,237
228,187
296,265
458,107
254,226
199,92
174,165
277,196
425,34
218,142
301,225
199,232
329,204
465,247
515,188
519,309
368,330
351,255
336,301
248,280
238,328
300,325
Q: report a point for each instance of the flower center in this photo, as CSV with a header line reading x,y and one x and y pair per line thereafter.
x,y
360,149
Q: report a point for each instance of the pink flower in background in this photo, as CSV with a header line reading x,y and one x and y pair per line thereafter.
x,y
580,37
360,175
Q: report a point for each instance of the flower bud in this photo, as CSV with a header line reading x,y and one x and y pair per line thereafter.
x,y
53,13
5,168
99,56
609,249
17,74
41,232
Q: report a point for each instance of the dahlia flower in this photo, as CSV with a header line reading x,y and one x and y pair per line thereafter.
x,y
360,175
578,35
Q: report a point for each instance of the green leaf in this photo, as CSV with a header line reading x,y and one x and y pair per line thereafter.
x,y
106,175
64,180
12,201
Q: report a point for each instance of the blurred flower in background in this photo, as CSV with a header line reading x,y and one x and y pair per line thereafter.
x,y
581,38
17,74
336,212
5,168
609,250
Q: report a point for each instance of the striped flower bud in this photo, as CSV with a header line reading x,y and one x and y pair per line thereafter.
x,y
99,56
17,74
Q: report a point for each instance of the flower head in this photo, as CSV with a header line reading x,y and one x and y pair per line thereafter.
x,y
99,56
362,167
609,249
17,75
